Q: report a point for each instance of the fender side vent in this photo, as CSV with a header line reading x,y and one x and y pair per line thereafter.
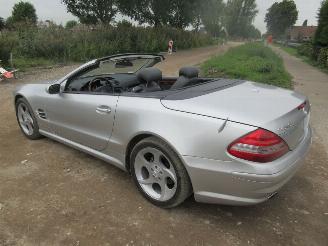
x,y
41,114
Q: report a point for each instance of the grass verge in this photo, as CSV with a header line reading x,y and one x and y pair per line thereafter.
x,y
290,50
252,61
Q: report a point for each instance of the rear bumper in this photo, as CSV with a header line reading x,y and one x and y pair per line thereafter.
x,y
222,182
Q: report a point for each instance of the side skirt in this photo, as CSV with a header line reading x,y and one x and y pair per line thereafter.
x,y
85,149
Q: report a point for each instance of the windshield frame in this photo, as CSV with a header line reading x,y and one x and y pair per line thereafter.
x,y
95,63
106,66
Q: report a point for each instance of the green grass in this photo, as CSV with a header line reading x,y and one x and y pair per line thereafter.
x,y
290,50
252,61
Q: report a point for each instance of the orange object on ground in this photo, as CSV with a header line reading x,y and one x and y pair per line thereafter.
x,y
8,75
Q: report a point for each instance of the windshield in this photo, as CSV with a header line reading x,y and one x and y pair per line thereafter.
x,y
119,65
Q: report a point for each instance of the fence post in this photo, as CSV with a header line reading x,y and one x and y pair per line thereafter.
x,y
11,60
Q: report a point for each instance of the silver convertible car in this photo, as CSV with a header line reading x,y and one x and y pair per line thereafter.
x,y
224,141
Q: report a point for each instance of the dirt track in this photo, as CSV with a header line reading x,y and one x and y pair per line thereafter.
x,y
53,195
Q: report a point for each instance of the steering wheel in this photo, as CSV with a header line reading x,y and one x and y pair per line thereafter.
x,y
100,82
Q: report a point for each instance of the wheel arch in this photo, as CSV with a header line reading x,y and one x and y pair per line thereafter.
x,y
18,96
139,137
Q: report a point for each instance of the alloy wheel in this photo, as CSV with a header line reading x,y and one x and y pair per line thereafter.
x,y
25,119
155,174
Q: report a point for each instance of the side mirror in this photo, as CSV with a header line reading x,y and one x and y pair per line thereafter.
x,y
54,89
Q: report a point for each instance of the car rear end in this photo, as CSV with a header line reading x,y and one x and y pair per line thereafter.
x,y
252,167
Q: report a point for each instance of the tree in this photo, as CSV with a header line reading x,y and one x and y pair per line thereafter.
x,y
93,11
321,36
305,23
176,13
183,12
70,24
23,12
2,23
124,24
280,17
152,12
240,15
9,22
253,32
211,16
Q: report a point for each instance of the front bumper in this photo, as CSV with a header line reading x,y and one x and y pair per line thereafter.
x,y
243,183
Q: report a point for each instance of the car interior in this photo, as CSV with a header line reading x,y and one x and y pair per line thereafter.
x,y
145,80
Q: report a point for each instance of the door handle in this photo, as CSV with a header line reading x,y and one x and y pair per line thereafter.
x,y
103,109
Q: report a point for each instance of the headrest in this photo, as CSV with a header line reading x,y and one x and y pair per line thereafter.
x,y
150,74
189,72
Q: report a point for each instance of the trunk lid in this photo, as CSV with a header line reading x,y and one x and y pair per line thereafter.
x,y
250,103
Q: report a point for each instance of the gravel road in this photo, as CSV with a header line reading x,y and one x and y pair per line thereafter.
x,y
51,194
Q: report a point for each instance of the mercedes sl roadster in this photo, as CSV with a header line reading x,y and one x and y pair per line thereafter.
x,y
225,141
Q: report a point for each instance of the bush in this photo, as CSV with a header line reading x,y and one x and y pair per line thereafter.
x,y
306,50
4,53
85,43
71,24
8,41
323,57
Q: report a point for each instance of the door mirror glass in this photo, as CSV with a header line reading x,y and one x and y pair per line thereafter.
x,y
54,89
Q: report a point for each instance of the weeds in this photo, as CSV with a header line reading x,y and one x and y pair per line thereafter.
x,y
252,61
63,45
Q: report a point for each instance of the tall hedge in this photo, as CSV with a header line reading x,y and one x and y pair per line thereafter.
x,y
85,43
8,41
321,37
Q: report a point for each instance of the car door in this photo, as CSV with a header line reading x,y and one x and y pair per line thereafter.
x,y
86,119
82,116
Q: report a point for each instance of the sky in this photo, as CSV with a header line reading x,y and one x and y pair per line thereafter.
x,y
55,10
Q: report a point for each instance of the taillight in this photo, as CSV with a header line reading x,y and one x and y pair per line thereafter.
x,y
302,106
259,146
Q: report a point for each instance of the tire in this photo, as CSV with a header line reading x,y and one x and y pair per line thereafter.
x,y
27,120
159,174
